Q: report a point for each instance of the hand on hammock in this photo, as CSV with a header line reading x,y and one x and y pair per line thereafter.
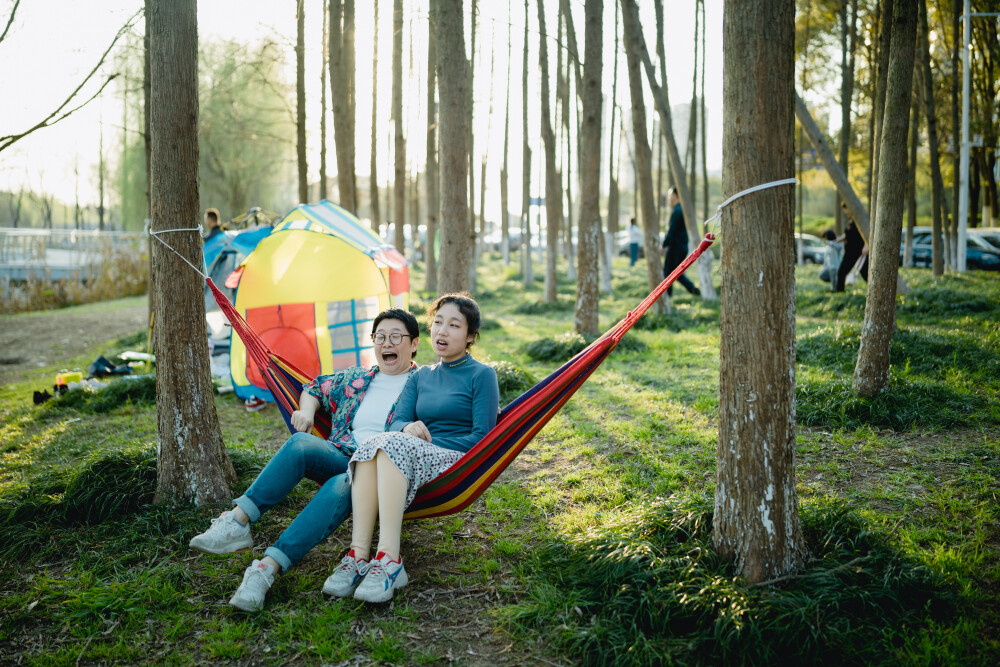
x,y
302,421
418,429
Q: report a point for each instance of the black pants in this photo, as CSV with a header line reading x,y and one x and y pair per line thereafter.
x,y
847,263
672,263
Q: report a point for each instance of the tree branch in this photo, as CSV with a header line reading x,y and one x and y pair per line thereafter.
x,y
10,20
9,140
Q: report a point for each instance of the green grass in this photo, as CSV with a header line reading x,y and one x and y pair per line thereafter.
x,y
572,555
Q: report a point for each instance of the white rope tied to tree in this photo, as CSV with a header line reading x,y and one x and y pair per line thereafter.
x,y
156,236
743,193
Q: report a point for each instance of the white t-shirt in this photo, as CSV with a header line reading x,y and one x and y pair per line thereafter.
x,y
635,234
374,409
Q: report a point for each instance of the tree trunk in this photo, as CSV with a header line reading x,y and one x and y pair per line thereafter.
x,y
342,85
704,133
433,183
527,270
871,375
884,41
643,157
192,464
662,99
589,225
399,145
609,243
323,194
756,520
911,171
470,110
147,140
453,275
300,100
553,186
848,43
376,208
504,185
937,185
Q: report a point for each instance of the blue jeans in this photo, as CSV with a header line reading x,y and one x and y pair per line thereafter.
x,y
302,455
633,253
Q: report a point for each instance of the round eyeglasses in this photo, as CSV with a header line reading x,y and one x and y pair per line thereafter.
x,y
395,338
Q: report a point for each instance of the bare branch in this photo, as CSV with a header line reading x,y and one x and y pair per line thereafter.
x,y
10,20
9,140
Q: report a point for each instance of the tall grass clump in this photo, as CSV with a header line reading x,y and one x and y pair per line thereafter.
x,y
650,589
512,379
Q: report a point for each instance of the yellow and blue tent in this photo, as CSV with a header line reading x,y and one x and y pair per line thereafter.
x,y
311,290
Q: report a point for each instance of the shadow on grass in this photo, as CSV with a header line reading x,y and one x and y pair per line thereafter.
x,y
650,589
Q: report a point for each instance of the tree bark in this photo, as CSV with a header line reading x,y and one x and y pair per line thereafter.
x,y
376,208
756,520
884,41
324,58
504,185
589,225
643,156
433,184
911,172
848,43
399,145
300,100
871,375
937,185
453,275
527,270
553,186
342,84
192,464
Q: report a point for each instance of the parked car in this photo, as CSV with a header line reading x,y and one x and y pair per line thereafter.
x,y
979,253
990,235
813,248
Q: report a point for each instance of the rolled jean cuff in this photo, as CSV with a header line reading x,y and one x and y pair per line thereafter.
x,y
279,557
249,507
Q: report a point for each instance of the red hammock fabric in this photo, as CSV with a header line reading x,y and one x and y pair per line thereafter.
x,y
461,484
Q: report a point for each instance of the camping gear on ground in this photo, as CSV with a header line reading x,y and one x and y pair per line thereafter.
x,y
101,367
311,289
518,423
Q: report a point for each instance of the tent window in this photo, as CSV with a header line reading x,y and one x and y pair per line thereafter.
x,y
350,323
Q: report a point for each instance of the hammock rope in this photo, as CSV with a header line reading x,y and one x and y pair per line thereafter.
x,y
462,483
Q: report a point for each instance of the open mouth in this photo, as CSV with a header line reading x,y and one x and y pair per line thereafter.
x,y
441,344
389,357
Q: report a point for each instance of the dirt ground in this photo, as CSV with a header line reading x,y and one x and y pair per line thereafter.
x,y
36,340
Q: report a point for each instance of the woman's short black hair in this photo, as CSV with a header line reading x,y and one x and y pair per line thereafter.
x,y
408,319
830,235
466,305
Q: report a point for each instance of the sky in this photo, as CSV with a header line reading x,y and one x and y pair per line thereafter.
x,y
52,44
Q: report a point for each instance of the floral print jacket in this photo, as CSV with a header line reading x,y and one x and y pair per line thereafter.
x,y
340,394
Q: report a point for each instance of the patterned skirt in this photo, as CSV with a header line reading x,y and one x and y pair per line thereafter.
x,y
418,460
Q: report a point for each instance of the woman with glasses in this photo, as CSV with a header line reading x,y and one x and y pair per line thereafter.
x,y
443,411
361,403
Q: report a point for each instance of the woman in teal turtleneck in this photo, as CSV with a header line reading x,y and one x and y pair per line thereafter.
x,y
443,411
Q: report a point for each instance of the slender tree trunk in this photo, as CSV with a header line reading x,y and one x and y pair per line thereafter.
x,y
643,158
453,275
504,175
527,270
589,226
376,212
300,100
480,238
399,146
342,85
884,40
662,99
848,44
611,248
704,133
756,519
192,464
100,177
433,183
553,186
937,185
323,194
911,167
147,140
693,127
871,375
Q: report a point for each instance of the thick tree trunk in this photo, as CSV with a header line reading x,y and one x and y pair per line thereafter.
x,y
884,41
553,185
756,519
634,45
376,209
453,275
433,182
300,100
399,145
589,225
871,375
662,99
342,85
192,464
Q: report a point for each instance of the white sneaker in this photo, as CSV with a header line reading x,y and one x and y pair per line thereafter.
x,y
224,536
382,580
347,576
257,581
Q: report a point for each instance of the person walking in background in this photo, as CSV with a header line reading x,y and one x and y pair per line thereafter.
x,y
634,242
675,245
831,258
855,252
212,227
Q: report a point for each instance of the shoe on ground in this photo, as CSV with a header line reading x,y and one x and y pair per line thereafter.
x,y
257,581
345,579
226,535
382,580
254,404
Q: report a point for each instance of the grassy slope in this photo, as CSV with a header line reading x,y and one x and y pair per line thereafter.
x,y
127,589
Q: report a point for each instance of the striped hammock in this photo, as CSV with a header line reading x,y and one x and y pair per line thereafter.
x,y
462,483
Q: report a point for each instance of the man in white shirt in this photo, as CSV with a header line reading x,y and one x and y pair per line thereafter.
x,y
361,403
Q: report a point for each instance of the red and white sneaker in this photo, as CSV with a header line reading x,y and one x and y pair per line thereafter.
x,y
382,580
254,404
347,576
